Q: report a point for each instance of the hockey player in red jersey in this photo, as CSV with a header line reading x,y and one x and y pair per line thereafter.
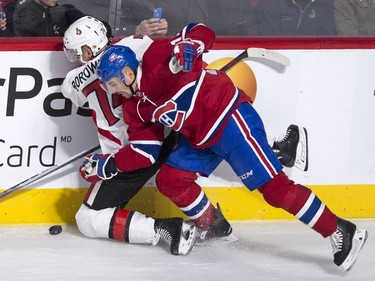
x,y
102,214
218,123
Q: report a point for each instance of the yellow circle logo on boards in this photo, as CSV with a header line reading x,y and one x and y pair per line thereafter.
x,y
241,75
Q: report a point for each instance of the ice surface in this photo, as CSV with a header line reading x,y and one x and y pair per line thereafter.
x,y
266,250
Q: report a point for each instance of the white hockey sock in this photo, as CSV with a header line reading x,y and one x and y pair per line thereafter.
x,y
141,229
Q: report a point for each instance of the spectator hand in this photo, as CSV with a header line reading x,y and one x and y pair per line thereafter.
x,y
152,27
185,54
98,167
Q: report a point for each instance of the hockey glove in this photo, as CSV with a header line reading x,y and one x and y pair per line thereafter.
x,y
98,167
185,54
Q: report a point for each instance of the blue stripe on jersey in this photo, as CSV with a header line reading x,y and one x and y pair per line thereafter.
x,y
184,98
197,208
311,211
190,26
150,149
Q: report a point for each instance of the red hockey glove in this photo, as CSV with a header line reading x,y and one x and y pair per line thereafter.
x,y
98,167
185,54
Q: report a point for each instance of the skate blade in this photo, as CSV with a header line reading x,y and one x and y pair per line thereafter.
x,y
302,156
231,238
359,240
187,240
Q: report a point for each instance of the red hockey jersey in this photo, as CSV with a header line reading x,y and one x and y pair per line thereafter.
x,y
196,103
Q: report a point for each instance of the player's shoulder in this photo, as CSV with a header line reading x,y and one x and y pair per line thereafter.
x,y
139,44
73,73
132,38
87,69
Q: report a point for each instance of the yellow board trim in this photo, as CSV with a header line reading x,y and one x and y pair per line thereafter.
x,y
47,206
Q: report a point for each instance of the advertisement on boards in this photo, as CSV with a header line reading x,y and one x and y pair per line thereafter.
x,y
39,128
330,93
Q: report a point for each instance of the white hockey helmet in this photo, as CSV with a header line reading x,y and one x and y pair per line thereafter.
x,y
87,31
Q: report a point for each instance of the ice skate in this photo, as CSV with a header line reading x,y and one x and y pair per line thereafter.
x,y
292,149
346,242
179,235
220,229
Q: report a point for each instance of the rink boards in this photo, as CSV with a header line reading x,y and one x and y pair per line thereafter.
x,y
329,91
48,206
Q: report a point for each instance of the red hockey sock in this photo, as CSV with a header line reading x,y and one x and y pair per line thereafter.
x,y
206,219
281,192
180,187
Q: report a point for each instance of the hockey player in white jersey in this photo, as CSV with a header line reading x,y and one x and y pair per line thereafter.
x,y
102,214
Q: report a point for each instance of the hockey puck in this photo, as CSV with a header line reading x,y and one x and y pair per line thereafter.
x,y
55,229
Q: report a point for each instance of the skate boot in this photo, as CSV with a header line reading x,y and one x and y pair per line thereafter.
x,y
218,229
346,242
292,149
179,235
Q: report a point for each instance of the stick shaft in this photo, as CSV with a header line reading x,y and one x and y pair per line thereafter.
x,y
230,64
47,172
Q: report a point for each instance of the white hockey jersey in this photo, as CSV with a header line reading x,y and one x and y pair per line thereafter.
x,y
81,86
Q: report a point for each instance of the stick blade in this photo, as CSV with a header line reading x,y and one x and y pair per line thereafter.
x,y
268,55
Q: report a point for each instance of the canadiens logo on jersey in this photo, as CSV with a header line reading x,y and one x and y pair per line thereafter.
x,y
174,112
168,115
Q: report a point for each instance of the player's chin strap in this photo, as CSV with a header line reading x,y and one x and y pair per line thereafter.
x,y
130,86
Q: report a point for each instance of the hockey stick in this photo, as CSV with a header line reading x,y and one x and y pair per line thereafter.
x,y
46,172
258,53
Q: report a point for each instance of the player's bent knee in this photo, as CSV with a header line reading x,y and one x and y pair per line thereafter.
x,y
92,223
281,192
169,180
82,221
278,191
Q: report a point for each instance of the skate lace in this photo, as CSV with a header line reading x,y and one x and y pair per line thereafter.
x,y
337,241
201,234
283,138
162,234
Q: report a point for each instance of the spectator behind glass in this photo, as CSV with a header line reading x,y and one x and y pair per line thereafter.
x,y
233,18
296,17
43,18
6,24
355,17
96,8
144,25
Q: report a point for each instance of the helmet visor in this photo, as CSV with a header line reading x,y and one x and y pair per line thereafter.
x,y
72,54
114,85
